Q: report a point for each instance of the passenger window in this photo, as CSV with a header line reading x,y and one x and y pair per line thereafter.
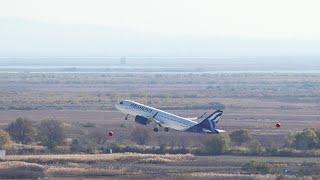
x,y
121,102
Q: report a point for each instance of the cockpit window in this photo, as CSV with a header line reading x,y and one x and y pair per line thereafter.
x,y
121,102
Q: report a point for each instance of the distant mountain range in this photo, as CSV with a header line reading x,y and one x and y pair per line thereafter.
x,y
26,38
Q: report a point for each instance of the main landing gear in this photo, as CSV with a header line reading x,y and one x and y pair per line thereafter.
x,y
155,129
126,118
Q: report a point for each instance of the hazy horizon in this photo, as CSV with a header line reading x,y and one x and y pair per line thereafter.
x,y
146,28
26,38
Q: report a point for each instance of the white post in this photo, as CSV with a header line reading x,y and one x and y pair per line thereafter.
x,y
2,153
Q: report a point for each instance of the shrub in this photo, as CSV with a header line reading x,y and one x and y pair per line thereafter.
x,y
76,146
89,125
318,136
307,139
51,133
217,144
22,131
5,140
256,148
240,136
257,167
308,169
141,135
99,137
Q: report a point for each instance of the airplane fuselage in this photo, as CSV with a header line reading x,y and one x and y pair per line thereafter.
x,y
162,118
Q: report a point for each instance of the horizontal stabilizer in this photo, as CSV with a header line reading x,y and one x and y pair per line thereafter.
x,y
218,131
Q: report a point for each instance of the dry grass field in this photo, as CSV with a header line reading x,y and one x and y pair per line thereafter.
x,y
253,101
87,165
143,166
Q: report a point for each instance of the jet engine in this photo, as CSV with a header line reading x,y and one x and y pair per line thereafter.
x,y
141,120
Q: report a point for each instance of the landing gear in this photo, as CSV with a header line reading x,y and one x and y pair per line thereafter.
x,y
166,129
126,118
155,129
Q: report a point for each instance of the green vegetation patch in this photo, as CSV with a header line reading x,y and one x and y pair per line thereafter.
x,y
257,167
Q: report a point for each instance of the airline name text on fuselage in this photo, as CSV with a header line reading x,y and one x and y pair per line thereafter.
x,y
145,109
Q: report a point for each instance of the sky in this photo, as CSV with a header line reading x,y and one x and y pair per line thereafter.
x,y
295,19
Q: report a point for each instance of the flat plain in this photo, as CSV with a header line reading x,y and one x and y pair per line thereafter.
x,y
251,101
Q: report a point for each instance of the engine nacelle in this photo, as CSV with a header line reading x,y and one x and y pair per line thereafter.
x,y
141,120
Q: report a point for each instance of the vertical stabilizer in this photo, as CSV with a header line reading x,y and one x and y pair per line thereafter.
x,y
208,125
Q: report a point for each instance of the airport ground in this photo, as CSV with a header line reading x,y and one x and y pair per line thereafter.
x,y
252,101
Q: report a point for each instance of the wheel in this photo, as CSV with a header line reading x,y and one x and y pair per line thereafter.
x,y
155,129
166,129
126,118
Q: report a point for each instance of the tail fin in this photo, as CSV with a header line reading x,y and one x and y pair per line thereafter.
x,y
214,117
208,125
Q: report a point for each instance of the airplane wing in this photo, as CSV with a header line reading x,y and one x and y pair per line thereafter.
x,y
193,118
197,118
153,119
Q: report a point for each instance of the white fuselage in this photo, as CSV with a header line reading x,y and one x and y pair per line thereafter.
x,y
163,118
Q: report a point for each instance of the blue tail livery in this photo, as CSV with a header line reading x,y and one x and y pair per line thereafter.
x,y
208,125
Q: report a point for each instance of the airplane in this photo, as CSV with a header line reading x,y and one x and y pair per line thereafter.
x,y
145,115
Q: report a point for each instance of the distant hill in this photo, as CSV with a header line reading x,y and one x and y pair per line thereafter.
x,y
21,38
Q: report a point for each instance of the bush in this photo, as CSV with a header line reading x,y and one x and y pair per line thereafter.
x,y
308,169
51,133
217,144
141,135
318,136
240,136
257,167
256,148
89,125
22,131
307,139
76,146
5,140
99,137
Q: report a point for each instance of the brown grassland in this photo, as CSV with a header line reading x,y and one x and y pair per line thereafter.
x,y
254,102
137,166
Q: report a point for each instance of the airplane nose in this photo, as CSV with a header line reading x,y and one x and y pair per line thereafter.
x,y
117,105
